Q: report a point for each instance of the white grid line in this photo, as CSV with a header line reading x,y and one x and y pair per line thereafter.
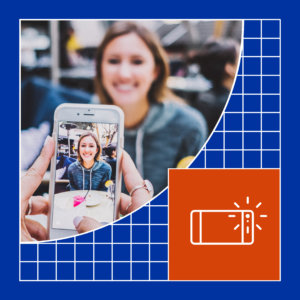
x,y
280,143
149,241
265,38
258,75
94,268
38,263
254,149
100,243
205,154
224,140
243,99
131,247
252,112
56,260
280,96
265,56
74,258
261,156
249,131
101,261
112,252
257,94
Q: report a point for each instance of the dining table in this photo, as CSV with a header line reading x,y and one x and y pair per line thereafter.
x,y
98,205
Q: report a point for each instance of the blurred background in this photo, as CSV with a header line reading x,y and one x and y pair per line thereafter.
x,y
63,51
61,54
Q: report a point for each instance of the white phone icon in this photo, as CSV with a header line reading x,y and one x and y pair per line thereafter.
x,y
222,227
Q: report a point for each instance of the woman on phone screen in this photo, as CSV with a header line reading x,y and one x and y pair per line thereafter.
x,y
160,129
88,172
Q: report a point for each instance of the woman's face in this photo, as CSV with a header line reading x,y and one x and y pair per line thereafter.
x,y
128,70
88,149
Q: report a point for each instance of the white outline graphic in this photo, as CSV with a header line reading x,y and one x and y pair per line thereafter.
x,y
228,211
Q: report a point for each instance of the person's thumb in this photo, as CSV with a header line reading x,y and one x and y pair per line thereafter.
x,y
85,224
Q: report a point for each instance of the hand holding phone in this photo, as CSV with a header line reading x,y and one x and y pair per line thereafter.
x,y
132,178
85,175
39,205
29,183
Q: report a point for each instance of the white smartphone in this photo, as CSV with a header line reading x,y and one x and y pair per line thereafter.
x,y
85,170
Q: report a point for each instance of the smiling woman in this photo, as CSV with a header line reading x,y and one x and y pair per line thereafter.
x,y
160,129
129,74
89,172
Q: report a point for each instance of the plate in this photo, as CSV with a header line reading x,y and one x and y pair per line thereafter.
x,y
93,199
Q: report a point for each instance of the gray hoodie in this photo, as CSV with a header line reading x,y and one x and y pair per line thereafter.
x,y
170,132
89,179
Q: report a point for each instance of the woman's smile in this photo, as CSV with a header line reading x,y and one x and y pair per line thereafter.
x,y
125,88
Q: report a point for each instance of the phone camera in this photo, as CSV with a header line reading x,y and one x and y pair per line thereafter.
x,y
78,114
88,109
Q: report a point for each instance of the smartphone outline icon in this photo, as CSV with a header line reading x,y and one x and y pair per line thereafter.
x,y
243,217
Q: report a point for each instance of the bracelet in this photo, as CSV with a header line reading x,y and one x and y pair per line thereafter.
x,y
127,208
29,206
147,185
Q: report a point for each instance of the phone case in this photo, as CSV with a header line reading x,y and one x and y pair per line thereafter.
x,y
80,113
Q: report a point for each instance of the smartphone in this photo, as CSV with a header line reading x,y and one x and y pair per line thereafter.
x,y
222,227
85,177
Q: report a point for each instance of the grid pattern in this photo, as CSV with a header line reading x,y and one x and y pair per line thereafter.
x,y
136,247
248,134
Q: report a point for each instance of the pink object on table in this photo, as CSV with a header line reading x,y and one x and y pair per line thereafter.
x,y
77,200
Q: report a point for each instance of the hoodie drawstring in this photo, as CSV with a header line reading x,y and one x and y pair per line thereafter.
x,y
139,151
83,178
90,178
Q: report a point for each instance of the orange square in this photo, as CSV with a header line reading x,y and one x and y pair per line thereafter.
x,y
224,224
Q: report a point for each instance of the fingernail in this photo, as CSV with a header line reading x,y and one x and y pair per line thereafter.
x,y
103,223
77,220
46,140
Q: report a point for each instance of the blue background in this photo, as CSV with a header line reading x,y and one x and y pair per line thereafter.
x,y
11,12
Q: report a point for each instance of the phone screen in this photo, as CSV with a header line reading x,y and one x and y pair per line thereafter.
x,y
85,176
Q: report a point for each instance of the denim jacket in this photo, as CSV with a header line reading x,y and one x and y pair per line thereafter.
x,y
89,179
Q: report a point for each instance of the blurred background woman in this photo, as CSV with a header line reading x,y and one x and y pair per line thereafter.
x,y
218,60
160,129
111,159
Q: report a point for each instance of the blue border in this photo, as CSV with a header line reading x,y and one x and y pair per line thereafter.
x,y
12,11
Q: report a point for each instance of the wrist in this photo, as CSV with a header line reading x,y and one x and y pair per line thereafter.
x,y
140,198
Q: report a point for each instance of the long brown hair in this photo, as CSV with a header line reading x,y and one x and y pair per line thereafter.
x,y
158,91
88,133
